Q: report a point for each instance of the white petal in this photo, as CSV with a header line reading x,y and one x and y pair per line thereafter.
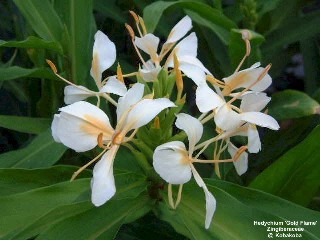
x,y
179,30
114,86
171,163
144,111
207,99
54,127
187,47
148,43
260,119
80,124
254,102
150,73
134,95
226,118
102,183
211,203
74,94
192,127
254,144
241,165
247,77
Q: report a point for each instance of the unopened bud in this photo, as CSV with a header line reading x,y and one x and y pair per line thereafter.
x,y
157,122
119,73
179,80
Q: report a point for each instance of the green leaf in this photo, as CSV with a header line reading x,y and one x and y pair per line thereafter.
x,y
109,219
42,18
33,42
25,124
43,151
292,104
80,26
237,209
295,176
38,201
16,72
199,12
298,28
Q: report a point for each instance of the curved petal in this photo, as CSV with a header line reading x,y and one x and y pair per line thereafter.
x,y
226,118
54,127
74,94
102,184
254,143
170,161
241,165
149,73
211,203
186,47
192,127
207,99
103,56
247,77
114,86
254,102
134,95
144,111
179,30
260,119
80,124
148,43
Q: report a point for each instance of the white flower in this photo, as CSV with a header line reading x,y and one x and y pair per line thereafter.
x,y
247,77
174,163
82,126
103,57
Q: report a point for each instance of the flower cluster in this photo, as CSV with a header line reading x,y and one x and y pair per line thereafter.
x,y
234,104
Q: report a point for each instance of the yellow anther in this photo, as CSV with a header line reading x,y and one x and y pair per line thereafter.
x,y
100,140
52,66
179,80
135,16
119,73
142,24
130,30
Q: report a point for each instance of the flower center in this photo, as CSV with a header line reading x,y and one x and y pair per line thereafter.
x,y
117,138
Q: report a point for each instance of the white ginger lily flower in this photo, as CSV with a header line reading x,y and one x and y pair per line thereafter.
x,y
82,126
246,78
103,57
173,162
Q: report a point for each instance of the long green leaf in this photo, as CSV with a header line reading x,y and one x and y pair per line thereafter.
x,y
42,18
33,42
15,72
237,210
78,17
292,104
199,12
295,176
61,202
25,124
43,151
298,28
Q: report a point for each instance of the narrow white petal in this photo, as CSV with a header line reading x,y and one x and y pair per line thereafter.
x,y
148,43
192,127
260,119
80,124
133,95
226,118
105,49
170,161
211,203
150,72
179,30
74,94
144,111
207,99
114,86
193,72
241,165
102,184
54,127
186,47
254,102
254,143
